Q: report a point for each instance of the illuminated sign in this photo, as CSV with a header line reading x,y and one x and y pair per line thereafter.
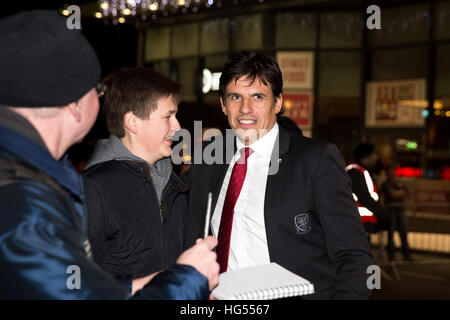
x,y
403,144
210,81
408,172
297,69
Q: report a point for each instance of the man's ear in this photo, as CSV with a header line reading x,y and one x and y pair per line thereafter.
x,y
75,110
279,103
129,121
224,108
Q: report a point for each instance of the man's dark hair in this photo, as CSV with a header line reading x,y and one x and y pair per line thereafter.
x,y
363,150
137,90
251,65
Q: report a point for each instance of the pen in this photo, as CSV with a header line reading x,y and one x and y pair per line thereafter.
x,y
208,215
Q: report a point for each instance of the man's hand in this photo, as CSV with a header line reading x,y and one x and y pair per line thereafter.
x,y
202,258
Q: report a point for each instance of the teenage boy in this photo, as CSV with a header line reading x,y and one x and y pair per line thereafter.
x,y
136,203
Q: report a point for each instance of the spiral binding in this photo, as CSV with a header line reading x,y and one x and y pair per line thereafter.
x,y
276,292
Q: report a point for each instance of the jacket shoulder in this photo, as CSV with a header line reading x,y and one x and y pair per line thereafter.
x,y
30,200
308,146
102,168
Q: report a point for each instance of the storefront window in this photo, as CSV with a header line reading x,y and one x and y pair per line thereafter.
x,y
214,36
246,32
340,74
439,136
402,63
442,20
157,44
185,40
339,99
340,30
162,67
443,71
187,75
295,30
406,24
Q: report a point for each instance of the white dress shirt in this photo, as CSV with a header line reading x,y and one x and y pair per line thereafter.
x,y
248,244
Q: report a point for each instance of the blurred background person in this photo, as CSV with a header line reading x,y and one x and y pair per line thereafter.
x,y
395,192
365,192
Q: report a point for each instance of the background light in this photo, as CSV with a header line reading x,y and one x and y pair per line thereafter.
x,y
411,145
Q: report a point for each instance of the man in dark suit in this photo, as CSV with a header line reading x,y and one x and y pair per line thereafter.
x,y
277,197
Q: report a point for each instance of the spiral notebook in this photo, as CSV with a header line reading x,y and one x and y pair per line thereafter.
x,y
263,282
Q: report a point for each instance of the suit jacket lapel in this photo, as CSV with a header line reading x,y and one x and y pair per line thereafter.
x,y
273,188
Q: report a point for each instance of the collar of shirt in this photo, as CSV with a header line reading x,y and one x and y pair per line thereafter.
x,y
264,146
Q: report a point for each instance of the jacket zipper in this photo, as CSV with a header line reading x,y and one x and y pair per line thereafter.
x,y
161,209
161,214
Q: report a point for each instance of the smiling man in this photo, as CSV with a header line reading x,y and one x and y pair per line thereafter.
x,y
303,216
136,203
251,108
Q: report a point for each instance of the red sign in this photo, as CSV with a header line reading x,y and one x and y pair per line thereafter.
x,y
298,107
408,172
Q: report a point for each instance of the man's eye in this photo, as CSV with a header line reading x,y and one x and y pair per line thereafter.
x,y
258,97
234,97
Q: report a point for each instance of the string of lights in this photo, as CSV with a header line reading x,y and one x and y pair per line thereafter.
x,y
120,11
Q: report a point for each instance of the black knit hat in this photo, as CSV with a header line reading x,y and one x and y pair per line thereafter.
x,y
43,63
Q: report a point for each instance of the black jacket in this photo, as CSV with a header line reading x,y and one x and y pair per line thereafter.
x,y
130,230
359,188
42,234
311,185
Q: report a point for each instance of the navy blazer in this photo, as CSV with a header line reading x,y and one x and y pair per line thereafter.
x,y
312,223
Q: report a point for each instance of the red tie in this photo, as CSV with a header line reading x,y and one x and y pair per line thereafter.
x,y
226,221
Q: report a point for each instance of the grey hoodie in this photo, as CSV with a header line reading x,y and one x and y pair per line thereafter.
x,y
113,149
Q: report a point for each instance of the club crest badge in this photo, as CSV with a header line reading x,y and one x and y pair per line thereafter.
x,y
302,224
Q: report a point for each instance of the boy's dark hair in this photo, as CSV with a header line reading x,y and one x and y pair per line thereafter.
x,y
137,90
363,150
251,65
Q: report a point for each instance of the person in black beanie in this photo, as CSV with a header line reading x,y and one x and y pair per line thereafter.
x,y
49,101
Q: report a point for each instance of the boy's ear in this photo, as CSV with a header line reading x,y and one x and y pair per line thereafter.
x,y
129,121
